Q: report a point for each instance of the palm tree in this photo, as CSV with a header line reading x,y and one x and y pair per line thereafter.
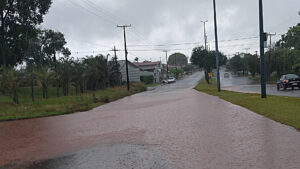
x,y
10,79
45,75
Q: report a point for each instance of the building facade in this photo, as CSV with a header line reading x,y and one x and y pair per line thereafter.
x,y
156,68
134,71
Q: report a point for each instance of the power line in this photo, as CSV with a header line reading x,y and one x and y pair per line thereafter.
x,y
157,49
193,43
91,12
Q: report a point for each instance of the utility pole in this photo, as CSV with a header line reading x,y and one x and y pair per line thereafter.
x,y
269,57
126,52
116,63
247,50
205,36
166,51
262,51
217,47
115,54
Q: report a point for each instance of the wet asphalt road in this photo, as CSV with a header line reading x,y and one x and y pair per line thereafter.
x,y
172,127
243,84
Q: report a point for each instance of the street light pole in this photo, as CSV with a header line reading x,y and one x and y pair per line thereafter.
x,y
217,47
262,52
166,51
205,36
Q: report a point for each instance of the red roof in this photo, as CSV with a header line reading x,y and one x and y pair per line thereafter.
x,y
146,63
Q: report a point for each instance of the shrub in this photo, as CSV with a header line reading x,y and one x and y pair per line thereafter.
x,y
147,79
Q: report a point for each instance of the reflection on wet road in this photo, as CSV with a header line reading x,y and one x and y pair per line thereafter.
x,y
243,84
172,127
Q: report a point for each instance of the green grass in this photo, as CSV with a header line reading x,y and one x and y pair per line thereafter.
x,y
285,110
59,105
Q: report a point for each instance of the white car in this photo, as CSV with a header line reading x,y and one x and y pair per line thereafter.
x,y
171,80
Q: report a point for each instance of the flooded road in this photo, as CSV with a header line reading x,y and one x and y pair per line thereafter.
x,y
171,127
245,85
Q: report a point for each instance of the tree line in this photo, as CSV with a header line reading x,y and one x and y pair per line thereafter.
x,y
22,43
283,57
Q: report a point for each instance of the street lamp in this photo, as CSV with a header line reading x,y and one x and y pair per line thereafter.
x,y
217,47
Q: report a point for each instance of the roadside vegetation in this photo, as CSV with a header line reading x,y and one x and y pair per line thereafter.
x,y
282,57
285,110
38,75
60,105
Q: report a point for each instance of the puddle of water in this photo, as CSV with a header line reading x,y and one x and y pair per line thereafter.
x,y
123,156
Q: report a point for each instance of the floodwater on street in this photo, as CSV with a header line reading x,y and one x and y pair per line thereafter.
x,y
245,85
171,127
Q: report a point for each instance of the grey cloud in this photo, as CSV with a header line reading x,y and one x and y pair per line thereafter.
x,y
166,21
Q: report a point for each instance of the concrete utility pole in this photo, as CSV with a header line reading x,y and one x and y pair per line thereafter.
x,y
247,50
269,57
217,47
262,51
116,61
205,36
166,51
115,54
126,53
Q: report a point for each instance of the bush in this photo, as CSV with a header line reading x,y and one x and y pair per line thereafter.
x,y
149,79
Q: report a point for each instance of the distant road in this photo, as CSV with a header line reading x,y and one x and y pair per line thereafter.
x,y
243,84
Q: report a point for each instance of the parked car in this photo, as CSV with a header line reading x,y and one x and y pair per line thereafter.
x,y
226,75
171,80
288,81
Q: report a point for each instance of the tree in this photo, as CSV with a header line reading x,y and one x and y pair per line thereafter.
x,y
45,76
53,42
10,80
291,39
64,69
206,59
95,72
178,59
236,63
18,19
252,64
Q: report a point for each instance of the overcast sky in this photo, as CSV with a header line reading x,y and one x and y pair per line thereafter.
x,y
90,26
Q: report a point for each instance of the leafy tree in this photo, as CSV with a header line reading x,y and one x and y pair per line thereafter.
x,y
206,59
53,42
236,63
178,59
291,39
95,69
252,64
18,19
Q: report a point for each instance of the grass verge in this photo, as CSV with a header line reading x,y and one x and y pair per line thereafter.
x,y
285,110
60,105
